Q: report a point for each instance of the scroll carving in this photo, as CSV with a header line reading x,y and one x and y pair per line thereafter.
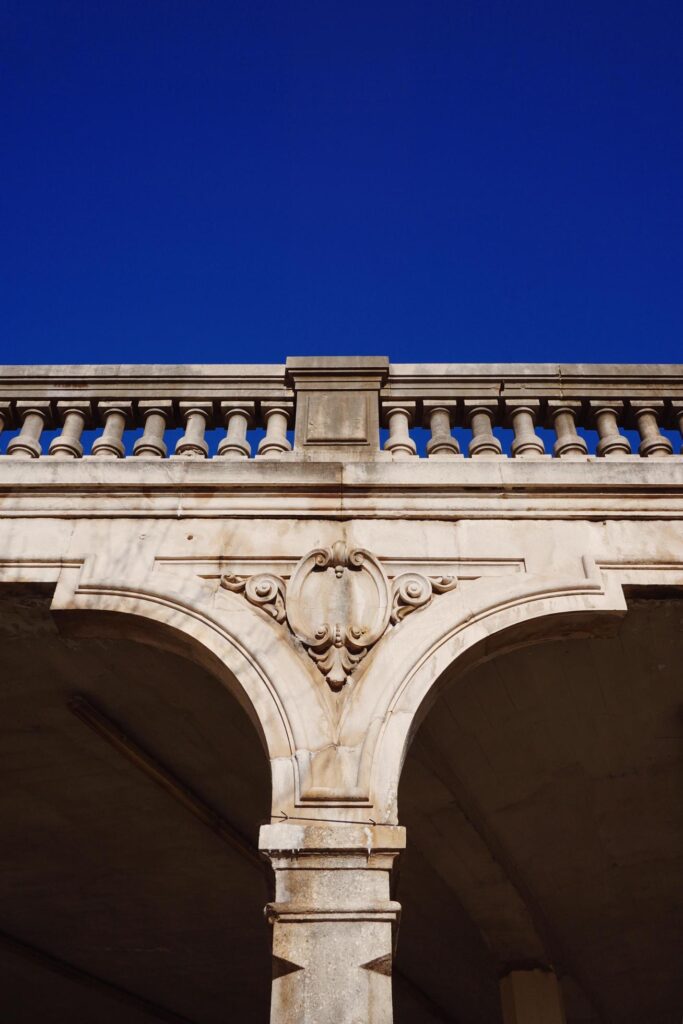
x,y
411,591
265,591
338,604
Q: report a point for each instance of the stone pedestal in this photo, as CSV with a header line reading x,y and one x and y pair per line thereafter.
x,y
531,997
334,922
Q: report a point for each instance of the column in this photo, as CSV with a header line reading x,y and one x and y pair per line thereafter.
x,y
238,417
647,415
522,416
116,416
677,409
399,417
5,415
480,418
531,997
334,922
34,416
569,443
612,443
157,415
74,416
439,417
275,443
196,416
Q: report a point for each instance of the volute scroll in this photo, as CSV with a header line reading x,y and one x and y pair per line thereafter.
x,y
338,603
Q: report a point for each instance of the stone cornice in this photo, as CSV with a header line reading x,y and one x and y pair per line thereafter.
x,y
504,488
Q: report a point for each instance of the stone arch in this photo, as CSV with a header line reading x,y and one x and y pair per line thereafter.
x,y
236,644
455,633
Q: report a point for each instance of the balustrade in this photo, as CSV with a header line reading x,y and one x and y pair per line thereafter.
x,y
434,412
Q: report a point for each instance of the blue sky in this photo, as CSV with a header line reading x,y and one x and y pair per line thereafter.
x,y
436,181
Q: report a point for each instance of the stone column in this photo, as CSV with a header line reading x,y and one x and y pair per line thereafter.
x,y
522,415
74,416
647,416
480,417
439,417
34,417
116,416
275,443
531,997
334,922
612,443
569,444
398,417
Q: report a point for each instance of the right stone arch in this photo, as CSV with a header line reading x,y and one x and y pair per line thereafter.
x,y
538,792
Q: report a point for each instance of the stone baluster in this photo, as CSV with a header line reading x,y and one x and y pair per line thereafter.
x,y
34,416
5,416
117,416
398,417
612,444
480,417
195,416
333,920
157,415
531,996
677,409
276,416
562,415
653,444
440,417
238,418
74,416
522,416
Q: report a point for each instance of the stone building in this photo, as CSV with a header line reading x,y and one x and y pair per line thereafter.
x,y
393,651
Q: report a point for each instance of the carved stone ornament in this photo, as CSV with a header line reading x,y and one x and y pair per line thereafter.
x,y
338,603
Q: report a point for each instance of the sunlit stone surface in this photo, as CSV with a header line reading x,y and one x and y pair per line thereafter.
x,y
333,599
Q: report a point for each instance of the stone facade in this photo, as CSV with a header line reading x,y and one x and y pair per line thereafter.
x,y
335,580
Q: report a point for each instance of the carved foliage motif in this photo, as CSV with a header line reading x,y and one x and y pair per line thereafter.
x,y
338,604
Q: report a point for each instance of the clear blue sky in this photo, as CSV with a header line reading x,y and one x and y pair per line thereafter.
x,y
235,182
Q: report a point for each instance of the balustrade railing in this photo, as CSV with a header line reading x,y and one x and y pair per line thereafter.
x,y
345,409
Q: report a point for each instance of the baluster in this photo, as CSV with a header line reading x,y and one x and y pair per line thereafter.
x,y
480,419
611,444
116,416
34,416
157,416
73,416
569,444
399,418
440,417
237,418
522,415
677,409
275,443
5,415
195,415
653,444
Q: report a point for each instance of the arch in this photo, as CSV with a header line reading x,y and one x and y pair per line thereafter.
x,y
235,643
405,674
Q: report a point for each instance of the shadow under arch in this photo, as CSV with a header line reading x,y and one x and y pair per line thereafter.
x,y
540,794
118,904
449,639
238,646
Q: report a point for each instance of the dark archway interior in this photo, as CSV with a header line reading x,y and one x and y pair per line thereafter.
x,y
117,903
543,798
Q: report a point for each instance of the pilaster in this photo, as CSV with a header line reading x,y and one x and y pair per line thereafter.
x,y
334,921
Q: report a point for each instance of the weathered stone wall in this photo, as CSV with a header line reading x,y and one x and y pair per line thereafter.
x,y
335,586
